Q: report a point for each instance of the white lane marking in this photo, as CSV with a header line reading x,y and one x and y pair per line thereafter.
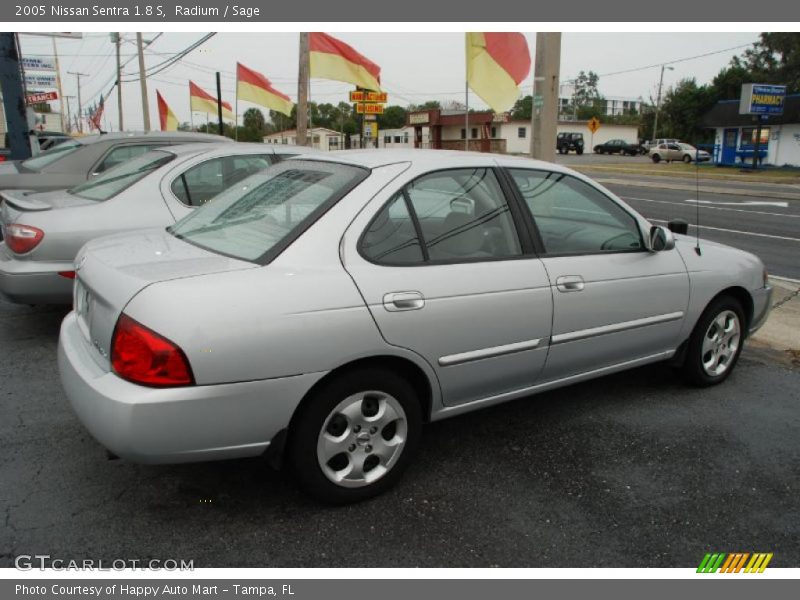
x,y
745,203
752,212
766,235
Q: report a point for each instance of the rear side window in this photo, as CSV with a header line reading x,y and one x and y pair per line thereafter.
x,y
457,215
202,182
52,155
121,154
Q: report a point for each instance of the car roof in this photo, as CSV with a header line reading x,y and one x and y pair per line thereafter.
x,y
372,159
237,148
136,136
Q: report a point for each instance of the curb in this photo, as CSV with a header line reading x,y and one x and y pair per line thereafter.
x,y
703,189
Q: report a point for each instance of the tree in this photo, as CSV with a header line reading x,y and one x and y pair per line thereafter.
x,y
393,117
254,119
774,58
585,93
521,111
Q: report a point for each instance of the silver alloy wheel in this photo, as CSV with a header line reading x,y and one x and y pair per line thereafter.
x,y
362,439
720,343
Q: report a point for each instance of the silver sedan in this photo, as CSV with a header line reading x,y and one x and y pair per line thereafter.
x,y
329,306
42,232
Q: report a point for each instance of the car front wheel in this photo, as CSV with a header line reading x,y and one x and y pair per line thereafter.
x,y
355,436
716,342
656,158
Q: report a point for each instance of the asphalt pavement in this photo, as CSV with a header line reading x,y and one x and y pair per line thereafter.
x,y
632,470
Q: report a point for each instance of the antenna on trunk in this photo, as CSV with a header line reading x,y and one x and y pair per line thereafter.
x,y
697,200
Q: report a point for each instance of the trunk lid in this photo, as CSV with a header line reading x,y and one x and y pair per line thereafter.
x,y
112,270
15,203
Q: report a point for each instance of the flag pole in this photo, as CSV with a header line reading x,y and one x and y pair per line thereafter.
x,y
466,116
466,91
236,108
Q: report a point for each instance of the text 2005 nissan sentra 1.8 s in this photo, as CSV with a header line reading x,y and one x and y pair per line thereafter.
x,y
330,305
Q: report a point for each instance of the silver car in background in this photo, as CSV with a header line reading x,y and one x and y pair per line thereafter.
x,y
42,232
74,161
328,306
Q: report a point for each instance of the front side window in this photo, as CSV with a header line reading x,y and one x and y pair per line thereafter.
x,y
108,185
575,218
460,215
254,221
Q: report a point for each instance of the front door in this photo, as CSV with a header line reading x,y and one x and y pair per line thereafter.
x,y
445,273
729,142
613,300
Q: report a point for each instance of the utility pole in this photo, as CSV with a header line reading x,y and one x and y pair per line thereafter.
x,y
14,98
544,119
116,38
69,114
80,114
302,92
58,82
143,82
658,99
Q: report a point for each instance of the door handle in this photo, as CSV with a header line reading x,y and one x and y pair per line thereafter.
x,y
570,283
397,301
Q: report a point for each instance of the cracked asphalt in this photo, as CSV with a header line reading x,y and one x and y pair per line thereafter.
x,y
632,470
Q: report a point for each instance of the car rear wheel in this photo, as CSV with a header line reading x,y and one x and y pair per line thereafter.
x,y
716,342
687,158
355,436
579,151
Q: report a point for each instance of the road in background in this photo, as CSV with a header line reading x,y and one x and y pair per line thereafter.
x,y
766,227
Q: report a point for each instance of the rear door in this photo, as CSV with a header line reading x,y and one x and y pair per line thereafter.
x,y
614,301
446,273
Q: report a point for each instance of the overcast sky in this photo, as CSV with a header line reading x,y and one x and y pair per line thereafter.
x,y
415,66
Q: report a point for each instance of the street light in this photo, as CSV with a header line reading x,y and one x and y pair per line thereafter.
x,y
658,99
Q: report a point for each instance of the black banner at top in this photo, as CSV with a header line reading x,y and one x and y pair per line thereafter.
x,y
472,11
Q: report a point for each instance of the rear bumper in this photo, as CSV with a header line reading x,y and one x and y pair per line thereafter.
x,y
174,425
762,305
32,282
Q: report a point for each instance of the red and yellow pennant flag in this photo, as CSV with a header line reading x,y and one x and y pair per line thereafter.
x,y
333,59
254,87
167,118
203,102
496,65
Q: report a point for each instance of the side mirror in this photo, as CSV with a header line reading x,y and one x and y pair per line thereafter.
x,y
661,239
679,226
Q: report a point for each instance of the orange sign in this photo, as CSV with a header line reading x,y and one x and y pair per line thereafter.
x,y
367,96
369,109
593,124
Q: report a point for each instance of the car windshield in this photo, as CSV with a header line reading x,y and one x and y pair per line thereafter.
x,y
121,177
37,163
259,216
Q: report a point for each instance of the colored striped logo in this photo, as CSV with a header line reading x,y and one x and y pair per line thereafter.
x,y
734,562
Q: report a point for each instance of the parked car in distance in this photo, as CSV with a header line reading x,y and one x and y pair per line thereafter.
x,y
45,230
620,147
569,142
74,161
326,307
678,151
44,139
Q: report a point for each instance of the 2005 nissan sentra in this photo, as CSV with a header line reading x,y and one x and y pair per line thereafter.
x,y
330,305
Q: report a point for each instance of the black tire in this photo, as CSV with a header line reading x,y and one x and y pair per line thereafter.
x,y
693,370
562,150
312,416
687,158
656,158
579,151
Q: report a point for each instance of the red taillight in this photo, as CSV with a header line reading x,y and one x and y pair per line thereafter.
x,y
144,357
21,239
3,157
67,274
